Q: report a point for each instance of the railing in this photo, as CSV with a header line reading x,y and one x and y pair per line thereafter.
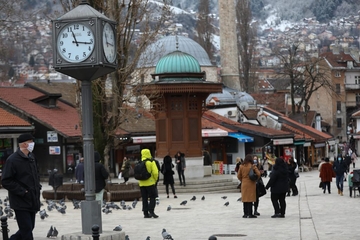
x,y
352,103
352,86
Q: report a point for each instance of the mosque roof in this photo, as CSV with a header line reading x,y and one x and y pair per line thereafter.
x,y
169,44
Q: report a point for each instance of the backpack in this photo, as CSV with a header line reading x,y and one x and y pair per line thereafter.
x,y
140,171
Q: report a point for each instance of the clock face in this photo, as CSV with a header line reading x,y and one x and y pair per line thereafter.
x,y
109,43
75,42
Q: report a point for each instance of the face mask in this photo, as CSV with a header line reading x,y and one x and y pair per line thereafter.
x,y
339,159
30,147
255,161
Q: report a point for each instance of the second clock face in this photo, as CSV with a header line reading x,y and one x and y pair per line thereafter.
x,y
109,43
75,42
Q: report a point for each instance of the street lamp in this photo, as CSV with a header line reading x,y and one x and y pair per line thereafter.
x,y
84,43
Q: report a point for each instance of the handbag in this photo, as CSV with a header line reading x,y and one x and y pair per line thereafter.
x,y
252,174
260,188
321,185
120,175
297,174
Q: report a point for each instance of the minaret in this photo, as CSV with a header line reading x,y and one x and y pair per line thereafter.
x,y
228,46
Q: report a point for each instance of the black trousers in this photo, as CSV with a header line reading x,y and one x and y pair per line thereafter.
x,y
181,176
26,223
247,207
293,187
327,185
167,188
148,192
278,202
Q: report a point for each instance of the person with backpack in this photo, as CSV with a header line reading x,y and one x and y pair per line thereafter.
x,y
147,185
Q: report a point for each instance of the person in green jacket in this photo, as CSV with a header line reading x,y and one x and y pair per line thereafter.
x,y
148,186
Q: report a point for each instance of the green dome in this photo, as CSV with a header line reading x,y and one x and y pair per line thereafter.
x,y
177,62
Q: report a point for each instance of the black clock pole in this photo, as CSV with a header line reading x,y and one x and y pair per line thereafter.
x,y
90,208
97,62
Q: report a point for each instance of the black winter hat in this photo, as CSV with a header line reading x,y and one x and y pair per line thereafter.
x,y
25,137
97,156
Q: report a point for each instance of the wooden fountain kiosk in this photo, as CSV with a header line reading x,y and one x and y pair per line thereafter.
x,y
177,96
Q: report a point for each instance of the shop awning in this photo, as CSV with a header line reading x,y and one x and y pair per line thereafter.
x,y
205,133
214,132
241,137
283,141
144,139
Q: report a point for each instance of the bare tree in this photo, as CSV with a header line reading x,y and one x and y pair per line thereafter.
x,y
138,22
204,28
246,45
306,74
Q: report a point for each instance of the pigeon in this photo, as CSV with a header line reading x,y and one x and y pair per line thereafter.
x,y
50,232
106,211
226,204
127,237
239,199
134,203
203,198
193,198
224,197
183,202
117,228
43,214
168,208
76,204
55,232
166,235
129,207
147,238
212,238
122,203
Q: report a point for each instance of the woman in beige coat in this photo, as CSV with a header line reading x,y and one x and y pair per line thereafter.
x,y
248,186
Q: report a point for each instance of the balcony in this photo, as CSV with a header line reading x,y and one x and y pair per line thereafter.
x,y
352,86
352,103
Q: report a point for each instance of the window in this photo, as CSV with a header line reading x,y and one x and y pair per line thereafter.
x,y
358,98
338,122
337,88
357,79
337,74
338,106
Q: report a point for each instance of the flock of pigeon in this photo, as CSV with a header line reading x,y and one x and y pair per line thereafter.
x,y
6,210
107,207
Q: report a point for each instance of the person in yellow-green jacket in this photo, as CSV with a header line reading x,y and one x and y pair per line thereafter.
x,y
148,186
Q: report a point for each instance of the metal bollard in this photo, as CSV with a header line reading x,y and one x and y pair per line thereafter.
x,y
4,228
95,232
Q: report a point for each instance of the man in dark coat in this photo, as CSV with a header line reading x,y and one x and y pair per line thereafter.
x,y
21,178
100,177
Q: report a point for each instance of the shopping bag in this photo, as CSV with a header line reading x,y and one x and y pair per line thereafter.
x,y
120,175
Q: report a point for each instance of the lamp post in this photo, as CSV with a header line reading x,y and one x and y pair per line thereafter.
x,y
84,43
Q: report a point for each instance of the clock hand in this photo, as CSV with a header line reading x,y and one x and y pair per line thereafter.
x,y
83,42
77,43
107,43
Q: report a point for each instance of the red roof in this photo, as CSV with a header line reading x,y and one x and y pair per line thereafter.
x,y
246,128
10,120
62,118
